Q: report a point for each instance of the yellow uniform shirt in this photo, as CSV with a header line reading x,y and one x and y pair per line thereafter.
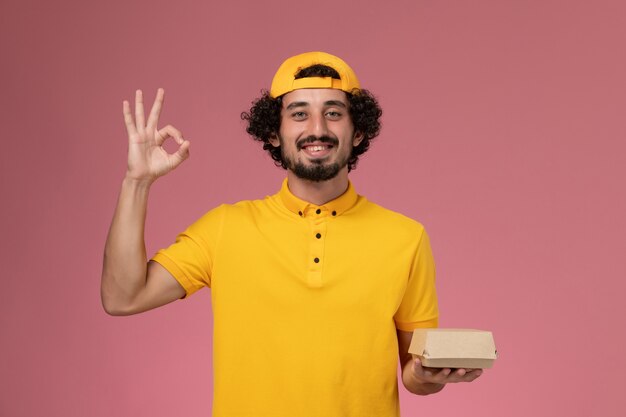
x,y
306,301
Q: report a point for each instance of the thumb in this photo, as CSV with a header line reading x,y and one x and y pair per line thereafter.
x,y
420,370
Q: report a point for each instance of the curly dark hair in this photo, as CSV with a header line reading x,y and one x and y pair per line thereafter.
x,y
264,116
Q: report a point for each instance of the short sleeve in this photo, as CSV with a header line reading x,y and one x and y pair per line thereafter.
x,y
191,257
418,308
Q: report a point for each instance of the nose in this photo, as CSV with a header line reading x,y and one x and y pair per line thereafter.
x,y
318,125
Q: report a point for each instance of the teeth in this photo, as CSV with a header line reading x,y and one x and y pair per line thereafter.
x,y
317,148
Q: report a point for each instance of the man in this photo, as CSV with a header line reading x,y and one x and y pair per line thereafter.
x,y
314,290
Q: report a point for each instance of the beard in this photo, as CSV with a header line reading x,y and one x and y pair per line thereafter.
x,y
317,170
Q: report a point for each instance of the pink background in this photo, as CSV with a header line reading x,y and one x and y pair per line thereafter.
x,y
504,133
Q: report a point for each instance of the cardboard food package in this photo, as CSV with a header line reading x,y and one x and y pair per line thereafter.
x,y
454,348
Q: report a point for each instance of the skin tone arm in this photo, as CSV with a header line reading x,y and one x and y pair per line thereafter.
x,y
421,380
129,284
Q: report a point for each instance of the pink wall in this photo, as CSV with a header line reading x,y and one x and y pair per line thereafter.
x,y
503,133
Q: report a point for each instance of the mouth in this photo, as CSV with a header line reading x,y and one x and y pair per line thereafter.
x,y
317,147
317,150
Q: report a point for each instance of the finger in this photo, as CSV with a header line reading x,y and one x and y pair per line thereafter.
x,y
153,119
128,119
470,378
441,376
465,377
418,369
168,131
180,155
139,115
425,374
160,136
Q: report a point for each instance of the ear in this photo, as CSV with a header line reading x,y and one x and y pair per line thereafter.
x,y
358,138
274,141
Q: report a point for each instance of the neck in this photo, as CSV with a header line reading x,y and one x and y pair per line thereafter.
x,y
318,193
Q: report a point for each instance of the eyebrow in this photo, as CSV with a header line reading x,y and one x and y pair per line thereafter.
x,y
297,104
335,103
326,103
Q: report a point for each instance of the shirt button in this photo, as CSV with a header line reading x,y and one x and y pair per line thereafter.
x,y
318,236
300,213
316,260
318,211
334,213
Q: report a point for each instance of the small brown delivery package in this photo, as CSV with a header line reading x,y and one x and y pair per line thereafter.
x,y
453,348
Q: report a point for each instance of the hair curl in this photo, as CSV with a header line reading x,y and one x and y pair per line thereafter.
x,y
264,117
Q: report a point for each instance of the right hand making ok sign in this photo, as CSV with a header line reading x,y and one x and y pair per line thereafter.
x,y
147,159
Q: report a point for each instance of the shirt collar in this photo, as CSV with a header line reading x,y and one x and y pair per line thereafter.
x,y
334,207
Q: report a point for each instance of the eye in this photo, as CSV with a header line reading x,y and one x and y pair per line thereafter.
x,y
298,115
333,115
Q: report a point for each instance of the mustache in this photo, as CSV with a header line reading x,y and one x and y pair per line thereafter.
x,y
322,139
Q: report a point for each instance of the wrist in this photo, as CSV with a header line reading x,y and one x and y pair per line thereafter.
x,y
141,183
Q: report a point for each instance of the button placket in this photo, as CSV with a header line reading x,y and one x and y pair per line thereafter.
x,y
316,255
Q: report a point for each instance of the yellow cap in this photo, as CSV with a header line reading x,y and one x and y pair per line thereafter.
x,y
284,81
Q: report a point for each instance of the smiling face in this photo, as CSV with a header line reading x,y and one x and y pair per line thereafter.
x,y
316,133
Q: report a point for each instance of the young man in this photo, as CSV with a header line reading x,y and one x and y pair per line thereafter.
x,y
315,289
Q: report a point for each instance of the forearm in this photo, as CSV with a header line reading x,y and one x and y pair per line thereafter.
x,y
124,267
415,386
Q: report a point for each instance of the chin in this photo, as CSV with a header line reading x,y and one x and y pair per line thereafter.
x,y
316,172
